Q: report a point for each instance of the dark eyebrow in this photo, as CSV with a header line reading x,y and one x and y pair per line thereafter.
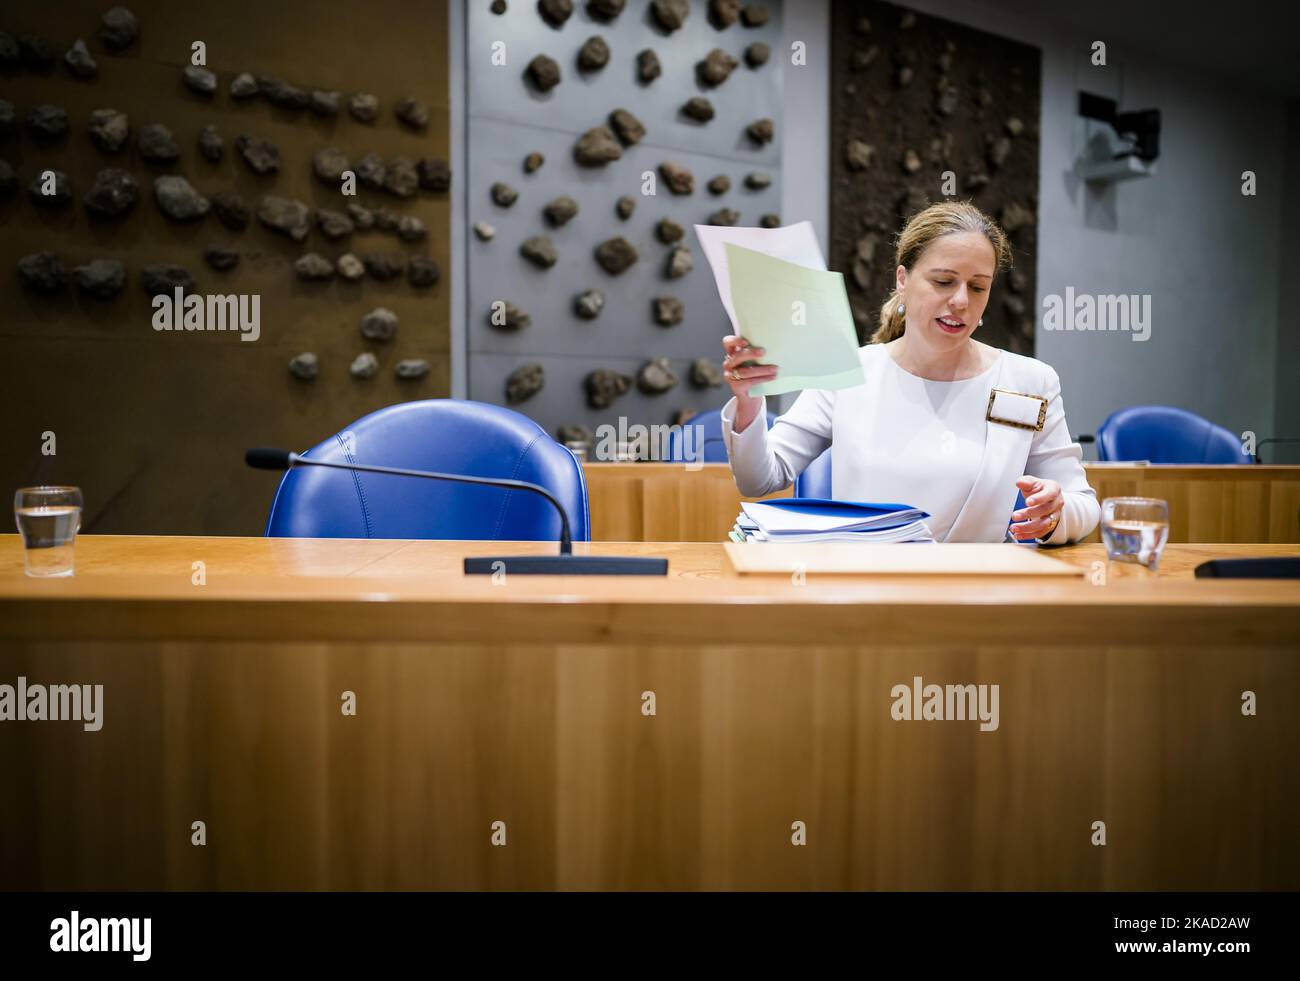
x,y
956,273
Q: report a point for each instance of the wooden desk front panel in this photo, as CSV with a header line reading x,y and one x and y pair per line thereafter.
x,y
662,502
448,739
1212,504
522,703
637,502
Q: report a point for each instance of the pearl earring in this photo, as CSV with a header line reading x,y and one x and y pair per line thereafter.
x,y
900,308
981,323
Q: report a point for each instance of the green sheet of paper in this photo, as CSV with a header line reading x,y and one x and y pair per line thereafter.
x,y
800,316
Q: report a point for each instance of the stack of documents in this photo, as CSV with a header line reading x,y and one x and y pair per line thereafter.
x,y
813,519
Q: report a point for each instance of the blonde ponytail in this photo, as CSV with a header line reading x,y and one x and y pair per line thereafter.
x,y
891,321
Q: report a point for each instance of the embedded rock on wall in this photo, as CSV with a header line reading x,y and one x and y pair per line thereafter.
x,y
113,195
588,304
656,377
42,272
285,215
615,255
109,129
261,155
525,382
118,28
597,147
101,278
163,278
605,385
177,198
380,324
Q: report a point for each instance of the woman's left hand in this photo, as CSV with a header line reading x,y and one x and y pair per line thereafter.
x,y
1044,503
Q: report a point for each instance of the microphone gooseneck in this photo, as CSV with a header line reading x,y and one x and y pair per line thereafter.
x,y
564,564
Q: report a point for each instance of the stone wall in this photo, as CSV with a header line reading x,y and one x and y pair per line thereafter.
x,y
718,71
917,99
152,425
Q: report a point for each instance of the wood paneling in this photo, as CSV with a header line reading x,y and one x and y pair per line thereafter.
x,y
661,502
1212,504
667,502
478,703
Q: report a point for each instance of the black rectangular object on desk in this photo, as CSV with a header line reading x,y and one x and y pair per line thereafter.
x,y
1273,567
567,565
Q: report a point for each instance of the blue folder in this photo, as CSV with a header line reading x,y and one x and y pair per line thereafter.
x,y
850,509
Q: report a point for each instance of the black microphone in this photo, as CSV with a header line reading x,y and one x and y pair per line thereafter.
x,y
564,564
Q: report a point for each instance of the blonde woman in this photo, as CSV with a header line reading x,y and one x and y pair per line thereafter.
x,y
942,422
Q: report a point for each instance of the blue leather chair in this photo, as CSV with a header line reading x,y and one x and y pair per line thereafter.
x,y
714,449
448,435
815,481
1163,434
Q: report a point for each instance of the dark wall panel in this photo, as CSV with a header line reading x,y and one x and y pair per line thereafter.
x,y
959,100
152,425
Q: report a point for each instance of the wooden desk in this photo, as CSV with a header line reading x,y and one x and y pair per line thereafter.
x,y
522,702
662,502
667,502
1211,504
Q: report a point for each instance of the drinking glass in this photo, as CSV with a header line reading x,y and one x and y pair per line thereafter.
x,y
48,518
1135,529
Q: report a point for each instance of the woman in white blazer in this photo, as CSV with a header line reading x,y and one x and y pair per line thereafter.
x,y
942,421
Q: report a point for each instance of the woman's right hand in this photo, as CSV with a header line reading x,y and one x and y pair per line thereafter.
x,y
742,370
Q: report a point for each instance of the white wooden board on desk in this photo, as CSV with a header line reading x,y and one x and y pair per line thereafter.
x,y
938,559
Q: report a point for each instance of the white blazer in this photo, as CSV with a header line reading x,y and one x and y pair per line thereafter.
x,y
764,462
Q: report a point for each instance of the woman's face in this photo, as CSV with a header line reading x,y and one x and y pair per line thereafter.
x,y
947,289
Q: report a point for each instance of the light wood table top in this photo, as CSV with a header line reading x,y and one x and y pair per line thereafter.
x,y
138,587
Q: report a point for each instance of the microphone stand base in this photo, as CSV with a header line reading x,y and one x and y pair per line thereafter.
x,y
567,565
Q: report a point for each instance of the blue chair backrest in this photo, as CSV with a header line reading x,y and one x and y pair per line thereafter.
x,y
447,435
815,481
1164,434
715,451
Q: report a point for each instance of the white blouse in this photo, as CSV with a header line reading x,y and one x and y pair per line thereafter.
x,y
910,440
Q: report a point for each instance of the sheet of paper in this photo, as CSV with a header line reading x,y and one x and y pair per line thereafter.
x,y
795,243
800,316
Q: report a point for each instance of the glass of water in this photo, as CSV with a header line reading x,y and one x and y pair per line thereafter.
x,y
48,518
1135,529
